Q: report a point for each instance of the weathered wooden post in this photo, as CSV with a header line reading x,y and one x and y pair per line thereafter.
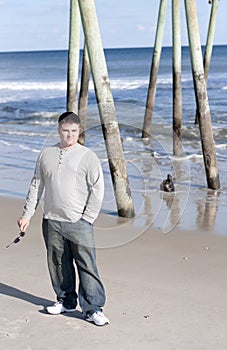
x,y
177,90
205,126
210,37
209,42
73,57
146,132
83,96
106,109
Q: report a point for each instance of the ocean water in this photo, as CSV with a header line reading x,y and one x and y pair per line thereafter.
x,y
33,94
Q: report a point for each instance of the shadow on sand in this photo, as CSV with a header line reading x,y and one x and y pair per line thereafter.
x,y
30,298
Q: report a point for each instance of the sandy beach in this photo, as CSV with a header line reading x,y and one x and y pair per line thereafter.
x,y
163,291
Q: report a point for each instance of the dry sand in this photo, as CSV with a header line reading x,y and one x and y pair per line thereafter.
x,y
163,291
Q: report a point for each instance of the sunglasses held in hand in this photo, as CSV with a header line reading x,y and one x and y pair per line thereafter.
x,y
17,239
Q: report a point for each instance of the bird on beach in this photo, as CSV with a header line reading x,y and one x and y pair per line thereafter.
x,y
167,185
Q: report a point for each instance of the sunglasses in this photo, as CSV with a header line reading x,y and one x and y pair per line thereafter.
x,y
17,239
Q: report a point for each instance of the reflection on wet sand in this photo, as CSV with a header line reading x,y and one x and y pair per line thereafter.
x,y
207,210
173,218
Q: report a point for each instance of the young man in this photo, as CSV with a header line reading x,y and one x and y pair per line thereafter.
x,y
72,180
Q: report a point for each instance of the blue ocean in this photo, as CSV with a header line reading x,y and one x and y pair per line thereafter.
x,y
33,94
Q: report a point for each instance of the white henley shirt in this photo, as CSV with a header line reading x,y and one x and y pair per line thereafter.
x,y
72,182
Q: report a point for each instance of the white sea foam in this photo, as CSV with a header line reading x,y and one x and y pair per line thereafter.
x,y
221,146
33,85
118,84
26,133
221,157
21,146
6,143
182,158
27,148
189,156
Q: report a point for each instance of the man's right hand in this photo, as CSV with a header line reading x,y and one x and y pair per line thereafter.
x,y
23,224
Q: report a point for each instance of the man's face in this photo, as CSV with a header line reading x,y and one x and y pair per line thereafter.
x,y
69,134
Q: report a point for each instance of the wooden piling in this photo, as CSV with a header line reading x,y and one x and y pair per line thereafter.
x,y
106,107
83,96
146,132
177,89
73,57
205,125
210,37
209,42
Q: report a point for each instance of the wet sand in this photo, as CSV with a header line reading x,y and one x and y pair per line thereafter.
x,y
164,291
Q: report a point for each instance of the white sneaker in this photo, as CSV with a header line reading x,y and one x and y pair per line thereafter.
x,y
98,318
58,308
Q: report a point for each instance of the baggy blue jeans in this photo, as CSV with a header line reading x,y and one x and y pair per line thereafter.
x,y
67,242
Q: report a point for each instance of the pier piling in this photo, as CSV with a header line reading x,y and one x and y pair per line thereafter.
x,y
106,107
206,133
83,96
209,43
177,89
146,132
73,57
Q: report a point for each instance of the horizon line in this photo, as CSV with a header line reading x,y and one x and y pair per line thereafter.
x,y
105,48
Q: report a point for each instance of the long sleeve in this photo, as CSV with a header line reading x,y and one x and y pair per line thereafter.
x,y
73,183
35,192
96,183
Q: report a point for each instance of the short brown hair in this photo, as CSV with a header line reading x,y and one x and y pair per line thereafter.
x,y
69,117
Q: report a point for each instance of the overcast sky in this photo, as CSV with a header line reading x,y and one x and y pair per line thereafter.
x,y
44,24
